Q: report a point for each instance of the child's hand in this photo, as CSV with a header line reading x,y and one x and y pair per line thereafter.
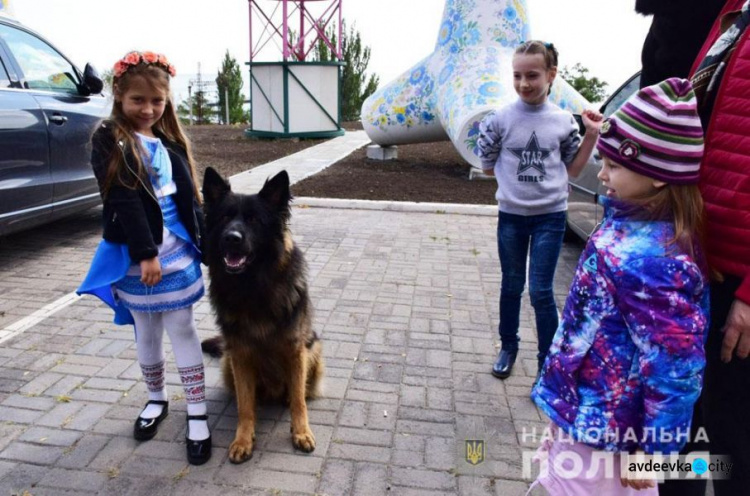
x,y
150,271
592,120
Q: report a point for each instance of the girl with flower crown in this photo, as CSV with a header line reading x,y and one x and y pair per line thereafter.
x,y
147,267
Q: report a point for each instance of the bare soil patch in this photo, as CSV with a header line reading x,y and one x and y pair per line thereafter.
x,y
229,151
425,172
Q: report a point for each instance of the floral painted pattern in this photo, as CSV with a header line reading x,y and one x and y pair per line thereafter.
x,y
472,138
459,29
407,102
513,26
628,356
461,98
468,75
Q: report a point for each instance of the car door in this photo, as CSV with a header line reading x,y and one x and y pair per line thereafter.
x,y
25,179
54,83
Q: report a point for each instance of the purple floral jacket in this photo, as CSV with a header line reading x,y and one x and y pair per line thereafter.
x,y
626,364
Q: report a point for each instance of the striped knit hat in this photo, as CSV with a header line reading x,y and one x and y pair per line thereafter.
x,y
657,133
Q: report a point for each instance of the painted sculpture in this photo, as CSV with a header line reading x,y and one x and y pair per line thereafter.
x,y
447,94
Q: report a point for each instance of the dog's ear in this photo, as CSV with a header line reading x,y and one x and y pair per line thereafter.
x,y
214,186
276,191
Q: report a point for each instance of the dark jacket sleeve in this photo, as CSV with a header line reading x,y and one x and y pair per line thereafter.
x,y
661,7
129,211
124,202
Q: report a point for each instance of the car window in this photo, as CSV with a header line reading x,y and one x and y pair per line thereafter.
x,y
4,78
43,67
621,95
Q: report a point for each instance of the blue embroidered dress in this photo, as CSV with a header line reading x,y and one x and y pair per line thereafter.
x,y
116,281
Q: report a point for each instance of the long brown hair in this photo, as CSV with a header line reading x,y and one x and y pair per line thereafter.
x,y
683,205
169,126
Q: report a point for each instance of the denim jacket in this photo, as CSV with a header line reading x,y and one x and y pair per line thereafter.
x,y
626,364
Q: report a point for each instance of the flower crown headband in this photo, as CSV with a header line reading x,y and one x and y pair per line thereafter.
x,y
132,59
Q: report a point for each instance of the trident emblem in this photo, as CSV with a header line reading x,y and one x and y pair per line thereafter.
x,y
475,451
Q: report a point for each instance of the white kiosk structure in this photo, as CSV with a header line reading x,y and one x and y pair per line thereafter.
x,y
446,95
294,97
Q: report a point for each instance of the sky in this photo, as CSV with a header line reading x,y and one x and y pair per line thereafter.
x,y
605,36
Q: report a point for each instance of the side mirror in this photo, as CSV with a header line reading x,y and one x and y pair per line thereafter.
x,y
92,83
579,121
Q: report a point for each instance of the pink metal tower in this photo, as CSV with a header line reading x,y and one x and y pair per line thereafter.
x,y
296,96
312,27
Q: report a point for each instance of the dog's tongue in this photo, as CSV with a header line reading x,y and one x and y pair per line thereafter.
x,y
234,261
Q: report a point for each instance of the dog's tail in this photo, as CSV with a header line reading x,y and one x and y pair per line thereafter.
x,y
213,346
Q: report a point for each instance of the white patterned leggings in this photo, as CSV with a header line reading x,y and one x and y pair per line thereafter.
x,y
180,326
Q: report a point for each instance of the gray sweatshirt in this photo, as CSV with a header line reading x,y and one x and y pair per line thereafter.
x,y
529,147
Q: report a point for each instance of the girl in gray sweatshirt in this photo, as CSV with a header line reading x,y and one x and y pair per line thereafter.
x,y
531,146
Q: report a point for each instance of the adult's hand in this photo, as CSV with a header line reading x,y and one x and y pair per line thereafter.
x,y
637,484
736,332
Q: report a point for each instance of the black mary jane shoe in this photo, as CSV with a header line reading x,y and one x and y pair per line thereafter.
x,y
145,428
504,364
198,452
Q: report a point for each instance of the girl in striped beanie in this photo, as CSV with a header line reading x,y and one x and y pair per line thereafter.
x,y
626,364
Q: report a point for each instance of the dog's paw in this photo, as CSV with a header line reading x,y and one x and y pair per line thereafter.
x,y
240,450
304,441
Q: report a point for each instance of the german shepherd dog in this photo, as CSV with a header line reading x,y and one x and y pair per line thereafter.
x,y
258,290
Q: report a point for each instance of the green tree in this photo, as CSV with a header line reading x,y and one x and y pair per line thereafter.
x,y
297,50
591,88
107,76
229,83
203,111
356,85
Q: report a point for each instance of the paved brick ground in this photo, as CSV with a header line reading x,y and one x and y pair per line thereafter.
x,y
407,305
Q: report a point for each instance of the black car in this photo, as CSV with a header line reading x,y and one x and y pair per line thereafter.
x,y
584,213
48,111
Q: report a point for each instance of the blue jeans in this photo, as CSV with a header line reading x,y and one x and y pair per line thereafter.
x,y
516,235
